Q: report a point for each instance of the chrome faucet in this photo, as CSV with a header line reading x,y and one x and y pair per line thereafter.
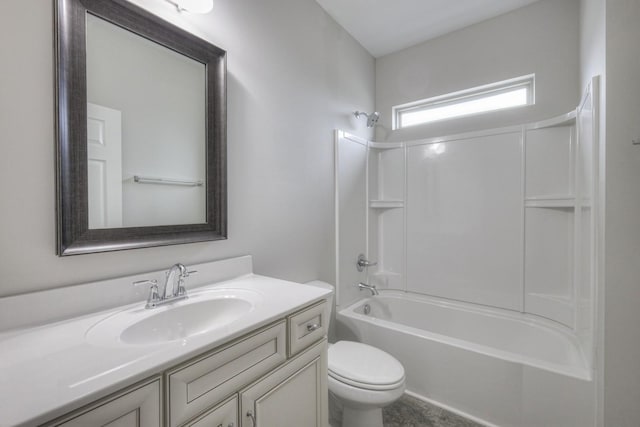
x,y
174,285
371,288
173,289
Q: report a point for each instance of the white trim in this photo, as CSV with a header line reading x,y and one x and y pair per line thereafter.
x,y
466,135
598,201
337,135
523,219
385,145
367,211
405,218
562,120
352,138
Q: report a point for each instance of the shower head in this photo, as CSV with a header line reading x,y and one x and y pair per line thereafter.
x,y
372,118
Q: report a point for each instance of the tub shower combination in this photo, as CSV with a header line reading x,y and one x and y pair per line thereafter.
x,y
494,367
486,248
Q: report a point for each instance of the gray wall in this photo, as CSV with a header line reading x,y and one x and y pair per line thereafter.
x,y
294,75
622,246
592,40
609,36
542,38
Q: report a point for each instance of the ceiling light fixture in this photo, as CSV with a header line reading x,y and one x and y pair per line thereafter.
x,y
193,6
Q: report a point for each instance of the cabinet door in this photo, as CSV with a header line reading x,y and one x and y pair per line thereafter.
x,y
137,407
224,415
292,396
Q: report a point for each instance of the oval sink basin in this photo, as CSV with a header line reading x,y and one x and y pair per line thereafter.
x,y
202,312
185,321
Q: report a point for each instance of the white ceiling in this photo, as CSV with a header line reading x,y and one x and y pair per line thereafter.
x,y
386,26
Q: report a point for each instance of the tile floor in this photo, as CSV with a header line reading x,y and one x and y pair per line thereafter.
x,y
411,412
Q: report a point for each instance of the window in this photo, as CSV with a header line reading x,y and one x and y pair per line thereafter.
x,y
512,93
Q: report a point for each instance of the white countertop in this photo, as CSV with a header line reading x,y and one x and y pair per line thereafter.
x,y
49,370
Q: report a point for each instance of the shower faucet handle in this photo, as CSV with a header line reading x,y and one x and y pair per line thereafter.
x,y
363,263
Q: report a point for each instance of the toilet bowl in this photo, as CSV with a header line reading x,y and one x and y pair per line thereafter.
x,y
363,378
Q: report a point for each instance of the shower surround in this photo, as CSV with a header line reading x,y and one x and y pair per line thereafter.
x,y
499,223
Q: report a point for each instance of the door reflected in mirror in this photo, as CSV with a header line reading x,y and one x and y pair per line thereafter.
x,y
146,131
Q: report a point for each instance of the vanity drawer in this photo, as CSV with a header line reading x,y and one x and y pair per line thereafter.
x,y
200,384
223,415
307,326
138,406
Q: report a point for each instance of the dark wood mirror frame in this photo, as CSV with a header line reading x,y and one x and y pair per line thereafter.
x,y
73,234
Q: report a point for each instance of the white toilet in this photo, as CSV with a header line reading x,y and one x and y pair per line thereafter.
x,y
363,378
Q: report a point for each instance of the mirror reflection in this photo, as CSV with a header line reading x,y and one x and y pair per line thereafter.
x,y
146,131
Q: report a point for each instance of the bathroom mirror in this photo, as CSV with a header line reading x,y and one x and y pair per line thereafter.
x,y
141,130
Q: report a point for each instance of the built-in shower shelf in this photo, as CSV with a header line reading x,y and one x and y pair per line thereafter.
x,y
385,273
559,308
585,203
386,279
386,204
550,202
560,299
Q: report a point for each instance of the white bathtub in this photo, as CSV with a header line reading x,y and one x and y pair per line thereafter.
x,y
494,366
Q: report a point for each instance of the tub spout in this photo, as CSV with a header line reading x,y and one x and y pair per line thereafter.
x,y
371,288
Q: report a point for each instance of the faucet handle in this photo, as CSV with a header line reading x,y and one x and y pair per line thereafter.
x,y
363,263
181,289
146,282
154,295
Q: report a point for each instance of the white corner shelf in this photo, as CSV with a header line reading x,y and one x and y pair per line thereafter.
x,y
558,308
568,119
385,145
559,299
585,203
386,204
550,202
385,273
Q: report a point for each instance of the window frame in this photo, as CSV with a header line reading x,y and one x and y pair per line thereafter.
x,y
466,95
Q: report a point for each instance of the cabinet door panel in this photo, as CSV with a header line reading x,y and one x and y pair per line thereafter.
x,y
127,420
223,415
139,407
297,396
292,396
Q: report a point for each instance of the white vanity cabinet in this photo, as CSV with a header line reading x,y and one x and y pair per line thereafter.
x,y
275,376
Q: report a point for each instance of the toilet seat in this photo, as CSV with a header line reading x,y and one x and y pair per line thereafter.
x,y
358,397
363,366
365,386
